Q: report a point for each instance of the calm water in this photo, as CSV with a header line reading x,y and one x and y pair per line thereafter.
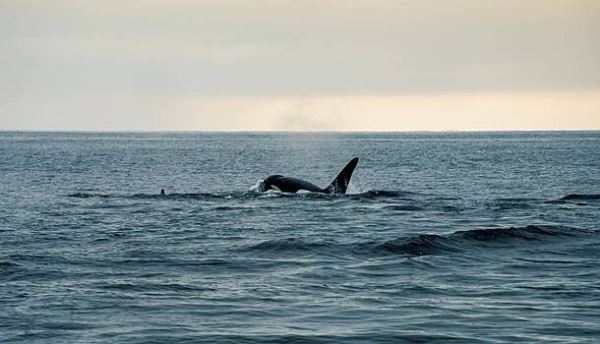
x,y
446,238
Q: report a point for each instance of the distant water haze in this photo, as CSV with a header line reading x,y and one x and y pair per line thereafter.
x,y
289,65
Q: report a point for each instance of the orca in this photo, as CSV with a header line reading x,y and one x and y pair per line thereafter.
x,y
289,184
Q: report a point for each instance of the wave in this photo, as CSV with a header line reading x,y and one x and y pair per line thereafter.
x,y
152,287
581,197
420,245
400,207
7,264
530,232
427,244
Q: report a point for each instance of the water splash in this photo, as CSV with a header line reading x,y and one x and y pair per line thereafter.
x,y
258,187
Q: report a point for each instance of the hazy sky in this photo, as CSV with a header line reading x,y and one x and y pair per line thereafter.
x,y
299,65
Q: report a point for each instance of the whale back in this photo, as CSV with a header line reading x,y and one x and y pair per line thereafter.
x,y
289,184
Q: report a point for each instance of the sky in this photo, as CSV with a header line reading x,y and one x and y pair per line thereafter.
x,y
181,65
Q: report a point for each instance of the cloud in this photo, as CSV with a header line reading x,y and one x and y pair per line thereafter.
x,y
289,47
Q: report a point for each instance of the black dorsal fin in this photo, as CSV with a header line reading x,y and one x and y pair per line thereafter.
x,y
340,183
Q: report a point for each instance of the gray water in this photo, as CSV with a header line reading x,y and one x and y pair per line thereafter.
x,y
444,238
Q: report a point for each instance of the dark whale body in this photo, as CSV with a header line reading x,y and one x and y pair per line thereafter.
x,y
290,184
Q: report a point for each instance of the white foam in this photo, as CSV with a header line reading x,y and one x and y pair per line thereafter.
x,y
259,186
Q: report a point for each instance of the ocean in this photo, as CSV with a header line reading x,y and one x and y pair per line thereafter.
x,y
442,238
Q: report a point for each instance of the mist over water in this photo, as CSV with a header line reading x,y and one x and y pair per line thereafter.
x,y
443,238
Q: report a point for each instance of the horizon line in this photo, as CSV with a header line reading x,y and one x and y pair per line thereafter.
x,y
124,131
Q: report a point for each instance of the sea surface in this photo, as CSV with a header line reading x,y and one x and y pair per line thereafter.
x,y
443,238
